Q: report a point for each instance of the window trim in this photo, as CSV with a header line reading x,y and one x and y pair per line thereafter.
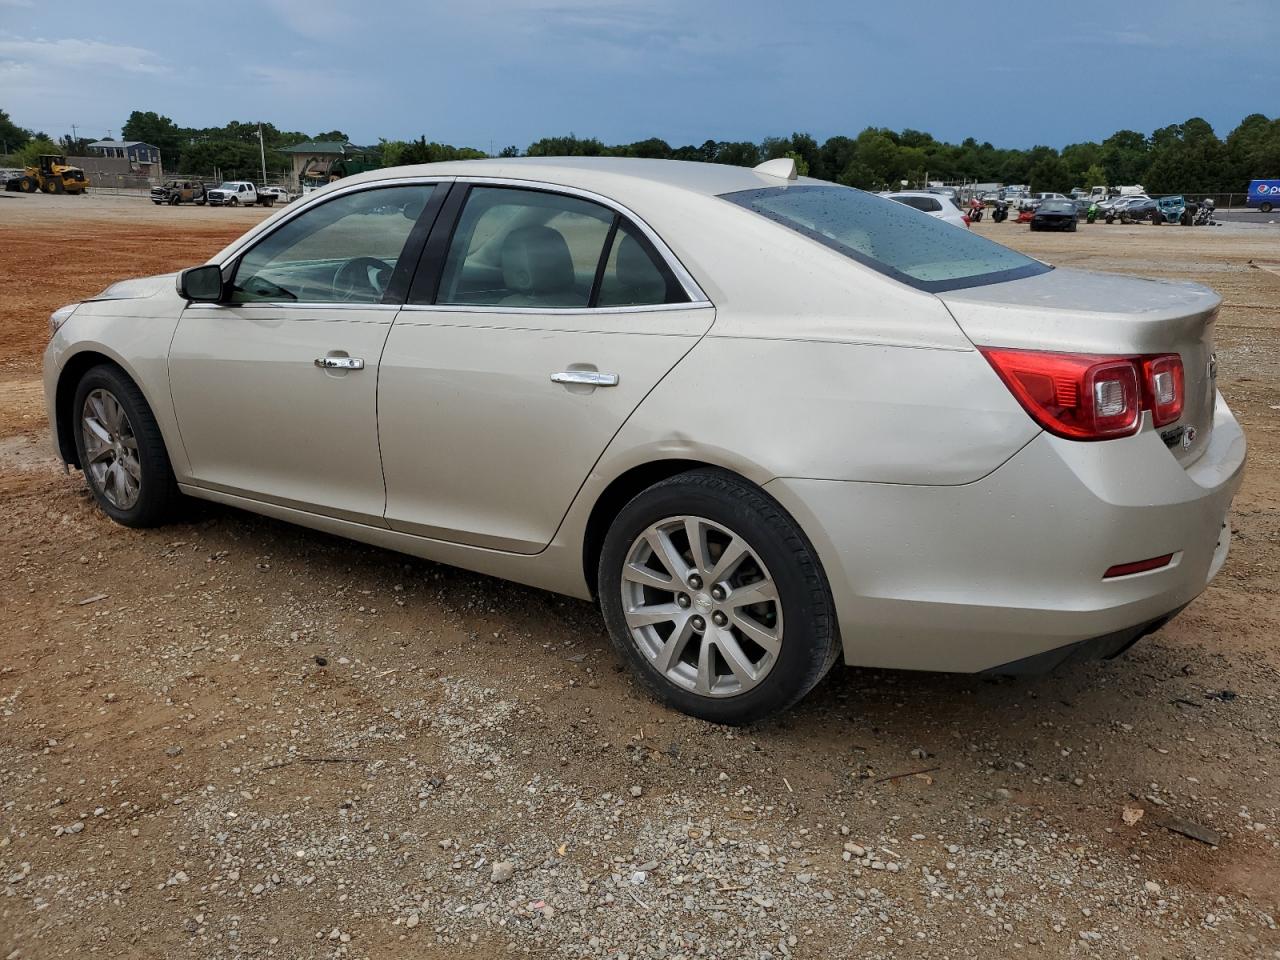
x,y
431,268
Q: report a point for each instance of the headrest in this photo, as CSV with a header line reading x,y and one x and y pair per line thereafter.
x,y
536,260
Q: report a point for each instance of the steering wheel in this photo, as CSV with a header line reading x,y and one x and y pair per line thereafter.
x,y
362,279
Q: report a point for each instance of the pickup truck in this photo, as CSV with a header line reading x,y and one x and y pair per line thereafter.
x,y
239,193
174,192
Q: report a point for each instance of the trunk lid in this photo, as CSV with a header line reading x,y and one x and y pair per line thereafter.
x,y
1075,311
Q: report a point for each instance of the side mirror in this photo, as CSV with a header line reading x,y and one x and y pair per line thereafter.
x,y
201,284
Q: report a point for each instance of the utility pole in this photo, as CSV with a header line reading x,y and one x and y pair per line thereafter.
x,y
262,149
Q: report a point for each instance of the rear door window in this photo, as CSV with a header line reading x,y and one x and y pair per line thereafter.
x,y
542,250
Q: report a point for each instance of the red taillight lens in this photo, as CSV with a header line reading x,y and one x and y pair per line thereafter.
x,y
1163,380
1077,396
1088,397
1138,566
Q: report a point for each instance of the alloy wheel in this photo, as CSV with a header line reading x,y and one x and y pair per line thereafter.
x,y
110,449
701,605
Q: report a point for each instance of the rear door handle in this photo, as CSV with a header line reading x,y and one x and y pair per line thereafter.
x,y
589,378
340,363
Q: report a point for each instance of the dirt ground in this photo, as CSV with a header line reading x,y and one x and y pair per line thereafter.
x,y
234,738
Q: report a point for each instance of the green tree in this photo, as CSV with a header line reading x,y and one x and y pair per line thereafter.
x,y
1125,157
1095,176
568,146
30,153
159,131
12,136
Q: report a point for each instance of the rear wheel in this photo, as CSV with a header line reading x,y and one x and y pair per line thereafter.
x,y
1265,208
715,597
121,450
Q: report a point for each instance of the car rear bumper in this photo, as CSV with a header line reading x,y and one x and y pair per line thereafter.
x,y
986,574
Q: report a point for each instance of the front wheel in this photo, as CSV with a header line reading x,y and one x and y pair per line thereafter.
x,y
716,599
121,450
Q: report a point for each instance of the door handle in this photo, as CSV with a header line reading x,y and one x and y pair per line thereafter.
x,y
589,378
340,363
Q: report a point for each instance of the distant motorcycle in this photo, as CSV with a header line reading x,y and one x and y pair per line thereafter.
x,y
1204,215
976,210
1000,211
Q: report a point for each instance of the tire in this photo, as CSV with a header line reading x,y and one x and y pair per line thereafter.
x,y
157,498
233,202
799,614
28,185
175,200
157,202
1266,208
1073,227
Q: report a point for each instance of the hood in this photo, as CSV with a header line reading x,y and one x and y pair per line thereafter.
x,y
136,289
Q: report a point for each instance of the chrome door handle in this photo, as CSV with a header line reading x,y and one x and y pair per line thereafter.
x,y
340,363
590,378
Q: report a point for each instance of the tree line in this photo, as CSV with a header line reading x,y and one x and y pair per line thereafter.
x,y
1186,157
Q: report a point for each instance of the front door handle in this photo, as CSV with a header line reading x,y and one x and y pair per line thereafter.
x,y
340,363
589,378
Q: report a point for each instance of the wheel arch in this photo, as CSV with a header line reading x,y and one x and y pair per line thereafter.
x,y
616,495
73,369
629,484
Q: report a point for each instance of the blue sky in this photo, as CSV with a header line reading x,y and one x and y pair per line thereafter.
x,y
495,72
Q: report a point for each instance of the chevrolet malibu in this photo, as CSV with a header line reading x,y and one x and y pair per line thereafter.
x,y
769,422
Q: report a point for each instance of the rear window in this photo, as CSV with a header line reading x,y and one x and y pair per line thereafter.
x,y
912,247
927,204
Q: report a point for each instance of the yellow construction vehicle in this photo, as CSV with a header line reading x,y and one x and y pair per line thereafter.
x,y
51,174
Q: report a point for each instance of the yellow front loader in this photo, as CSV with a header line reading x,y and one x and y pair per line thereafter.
x,y
51,174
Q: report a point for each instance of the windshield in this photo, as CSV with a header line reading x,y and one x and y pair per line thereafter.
x,y
229,185
910,246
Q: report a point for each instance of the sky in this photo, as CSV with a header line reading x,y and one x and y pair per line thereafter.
x,y
489,73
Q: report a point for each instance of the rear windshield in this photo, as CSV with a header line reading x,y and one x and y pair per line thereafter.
x,y
910,246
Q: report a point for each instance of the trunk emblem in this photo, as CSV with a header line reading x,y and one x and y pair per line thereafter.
x,y
1188,437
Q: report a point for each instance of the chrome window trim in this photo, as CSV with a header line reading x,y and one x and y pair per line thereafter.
x,y
299,207
295,305
687,283
553,311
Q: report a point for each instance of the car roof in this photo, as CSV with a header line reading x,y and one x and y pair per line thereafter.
x,y
610,176
913,193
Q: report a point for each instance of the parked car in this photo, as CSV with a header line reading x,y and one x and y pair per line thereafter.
x,y
1263,194
278,194
1034,200
1055,215
743,410
934,204
1138,210
174,192
239,193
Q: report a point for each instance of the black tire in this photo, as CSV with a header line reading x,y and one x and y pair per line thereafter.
x,y
810,643
29,185
158,496
157,202
1266,208
1073,226
233,202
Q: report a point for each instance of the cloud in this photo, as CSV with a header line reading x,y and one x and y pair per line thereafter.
x,y
316,19
72,54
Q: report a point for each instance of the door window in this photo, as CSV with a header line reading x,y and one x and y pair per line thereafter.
x,y
634,275
529,248
342,251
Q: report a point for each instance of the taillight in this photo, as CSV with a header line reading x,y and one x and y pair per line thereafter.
x,y
1090,397
1162,377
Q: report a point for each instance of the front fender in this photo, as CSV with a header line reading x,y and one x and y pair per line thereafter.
x,y
139,345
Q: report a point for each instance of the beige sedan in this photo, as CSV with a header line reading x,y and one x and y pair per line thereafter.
x,y
767,421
